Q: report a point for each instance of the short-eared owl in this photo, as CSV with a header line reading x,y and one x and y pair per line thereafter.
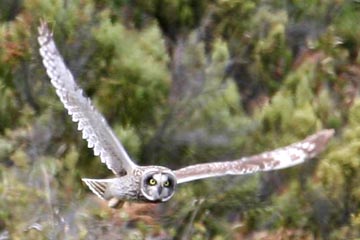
x,y
151,183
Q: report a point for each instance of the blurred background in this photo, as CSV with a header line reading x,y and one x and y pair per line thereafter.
x,y
183,82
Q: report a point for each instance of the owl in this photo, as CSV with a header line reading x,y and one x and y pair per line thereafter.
x,y
151,183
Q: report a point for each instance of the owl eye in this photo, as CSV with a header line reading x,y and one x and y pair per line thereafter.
x,y
152,181
167,183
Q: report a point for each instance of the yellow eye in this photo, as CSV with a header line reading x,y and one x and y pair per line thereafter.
x,y
166,184
152,181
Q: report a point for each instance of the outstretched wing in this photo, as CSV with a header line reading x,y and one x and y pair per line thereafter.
x,y
92,124
284,157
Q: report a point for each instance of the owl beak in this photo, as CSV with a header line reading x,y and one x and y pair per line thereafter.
x,y
159,190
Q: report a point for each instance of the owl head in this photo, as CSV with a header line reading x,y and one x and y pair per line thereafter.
x,y
158,184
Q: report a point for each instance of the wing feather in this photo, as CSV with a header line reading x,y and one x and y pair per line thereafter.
x,y
280,158
92,124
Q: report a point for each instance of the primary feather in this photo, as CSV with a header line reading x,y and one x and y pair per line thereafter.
x,y
280,158
94,127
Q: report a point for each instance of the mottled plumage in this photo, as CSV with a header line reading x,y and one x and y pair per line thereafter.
x,y
151,183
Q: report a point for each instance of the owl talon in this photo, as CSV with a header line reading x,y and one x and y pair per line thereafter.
x,y
115,203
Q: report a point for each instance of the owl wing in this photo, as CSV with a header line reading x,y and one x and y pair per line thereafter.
x,y
94,127
284,157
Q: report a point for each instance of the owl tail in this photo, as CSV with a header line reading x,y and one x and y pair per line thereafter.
x,y
97,186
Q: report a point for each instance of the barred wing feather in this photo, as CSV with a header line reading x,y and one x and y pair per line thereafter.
x,y
94,127
280,158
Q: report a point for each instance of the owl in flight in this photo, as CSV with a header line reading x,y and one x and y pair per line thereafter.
x,y
151,183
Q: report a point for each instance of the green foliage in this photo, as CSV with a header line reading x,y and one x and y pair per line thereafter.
x,y
339,172
135,73
345,23
234,13
122,54
182,15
